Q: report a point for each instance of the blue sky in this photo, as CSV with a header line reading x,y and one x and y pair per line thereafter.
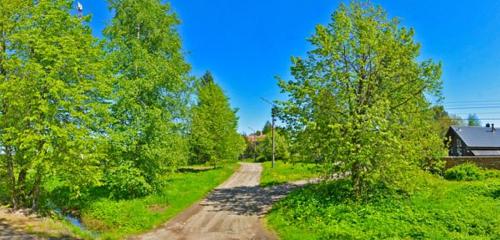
x,y
246,43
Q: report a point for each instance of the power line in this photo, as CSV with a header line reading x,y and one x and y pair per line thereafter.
x,y
473,107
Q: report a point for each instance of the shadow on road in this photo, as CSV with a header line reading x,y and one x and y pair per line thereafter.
x,y
244,200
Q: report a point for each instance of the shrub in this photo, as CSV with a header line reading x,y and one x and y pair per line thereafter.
x,y
126,182
464,172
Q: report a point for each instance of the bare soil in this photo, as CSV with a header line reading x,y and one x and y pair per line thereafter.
x,y
234,210
22,225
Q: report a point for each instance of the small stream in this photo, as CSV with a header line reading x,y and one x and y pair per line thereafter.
x,y
75,221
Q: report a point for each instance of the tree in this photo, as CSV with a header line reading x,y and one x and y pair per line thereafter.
x,y
267,128
214,135
51,80
444,120
151,92
357,102
281,148
473,120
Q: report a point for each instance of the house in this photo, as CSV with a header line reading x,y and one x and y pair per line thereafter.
x,y
473,141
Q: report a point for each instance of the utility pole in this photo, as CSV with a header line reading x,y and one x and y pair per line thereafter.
x,y
273,116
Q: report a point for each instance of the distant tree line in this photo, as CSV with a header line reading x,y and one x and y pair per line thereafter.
x,y
80,115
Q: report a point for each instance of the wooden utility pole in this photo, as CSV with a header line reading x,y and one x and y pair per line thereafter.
x,y
273,116
272,132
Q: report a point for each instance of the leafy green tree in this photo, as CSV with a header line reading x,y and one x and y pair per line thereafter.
x,y
358,103
151,92
444,120
473,120
214,135
267,128
281,148
51,80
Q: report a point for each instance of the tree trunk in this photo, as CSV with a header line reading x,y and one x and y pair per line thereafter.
x,y
11,177
356,180
20,190
36,191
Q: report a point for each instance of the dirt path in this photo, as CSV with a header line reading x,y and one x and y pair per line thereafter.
x,y
232,211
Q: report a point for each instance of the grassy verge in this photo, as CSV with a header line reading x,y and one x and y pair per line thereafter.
x,y
439,209
118,219
285,172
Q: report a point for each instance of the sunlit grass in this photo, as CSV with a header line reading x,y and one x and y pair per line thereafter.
x,y
438,209
118,219
284,172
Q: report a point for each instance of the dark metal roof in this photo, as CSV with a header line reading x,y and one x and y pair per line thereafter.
x,y
480,137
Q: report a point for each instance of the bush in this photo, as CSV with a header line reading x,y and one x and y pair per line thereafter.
x,y
464,172
126,182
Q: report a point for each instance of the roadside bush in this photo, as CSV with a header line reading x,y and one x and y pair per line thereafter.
x,y
464,172
126,182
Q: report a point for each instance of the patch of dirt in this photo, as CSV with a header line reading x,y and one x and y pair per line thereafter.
x,y
157,208
234,210
20,225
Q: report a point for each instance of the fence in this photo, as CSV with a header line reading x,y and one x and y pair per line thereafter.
x,y
492,162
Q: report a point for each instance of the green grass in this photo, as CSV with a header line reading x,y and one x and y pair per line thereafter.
x,y
438,209
118,219
285,172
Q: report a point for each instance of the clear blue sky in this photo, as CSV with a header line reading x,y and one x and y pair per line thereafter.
x,y
246,43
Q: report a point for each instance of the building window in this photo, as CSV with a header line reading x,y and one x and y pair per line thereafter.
x,y
459,147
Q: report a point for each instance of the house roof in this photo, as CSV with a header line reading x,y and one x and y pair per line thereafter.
x,y
480,137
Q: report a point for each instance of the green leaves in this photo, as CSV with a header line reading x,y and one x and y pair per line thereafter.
x,y
214,137
50,64
358,103
151,90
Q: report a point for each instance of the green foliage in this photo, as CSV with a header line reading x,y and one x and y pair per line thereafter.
x,y
268,127
265,148
151,91
284,172
51,83
473,120
444,120
465,172
439,209
126,182
357,102
214,135
118,219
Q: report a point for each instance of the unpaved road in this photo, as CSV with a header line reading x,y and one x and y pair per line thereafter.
x,y
232,211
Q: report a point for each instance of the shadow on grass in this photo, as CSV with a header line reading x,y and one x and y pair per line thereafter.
x,y
272,183
195,169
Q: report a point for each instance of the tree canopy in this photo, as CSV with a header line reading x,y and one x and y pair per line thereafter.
x,y
51,81
357,102
473,120
214,137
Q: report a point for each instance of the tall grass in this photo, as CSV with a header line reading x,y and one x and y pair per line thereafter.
x,y
118,219
438,209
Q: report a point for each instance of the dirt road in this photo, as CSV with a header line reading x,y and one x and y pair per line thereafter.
x,y
232,211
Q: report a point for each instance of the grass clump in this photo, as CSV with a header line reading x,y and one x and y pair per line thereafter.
x,y
116,219
437,209
284,172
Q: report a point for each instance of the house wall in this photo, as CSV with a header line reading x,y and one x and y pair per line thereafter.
x,y
492,162
456,147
